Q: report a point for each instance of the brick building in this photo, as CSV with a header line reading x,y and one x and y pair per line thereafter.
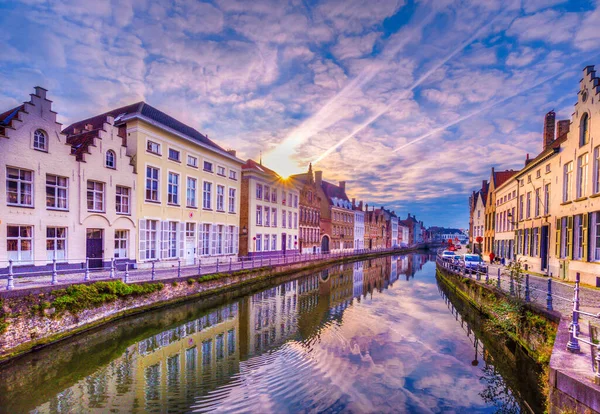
x,y
309,236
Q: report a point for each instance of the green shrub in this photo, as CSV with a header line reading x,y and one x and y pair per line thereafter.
x,y
191,281
79,297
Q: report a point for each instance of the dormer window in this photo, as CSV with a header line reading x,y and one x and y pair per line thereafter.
x,y
40,140
584,130
111,159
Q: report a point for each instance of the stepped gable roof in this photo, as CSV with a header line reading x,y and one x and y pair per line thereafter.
x,y
142,109
8,116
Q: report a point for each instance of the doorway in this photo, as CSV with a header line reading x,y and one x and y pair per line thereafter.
x,y
93,247
283,242
544,247
325,244
190,243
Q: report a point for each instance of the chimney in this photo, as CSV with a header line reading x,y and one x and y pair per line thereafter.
x,y
563,127
343,185
231,152
41,92
353,202
360,205
318,177
549,128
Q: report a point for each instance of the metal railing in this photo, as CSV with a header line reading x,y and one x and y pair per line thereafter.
x,y
56,272
545,297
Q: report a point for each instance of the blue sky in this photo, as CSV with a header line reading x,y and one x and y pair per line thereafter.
x,y
410,102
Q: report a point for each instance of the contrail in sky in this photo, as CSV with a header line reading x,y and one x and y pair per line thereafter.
x,y
406,93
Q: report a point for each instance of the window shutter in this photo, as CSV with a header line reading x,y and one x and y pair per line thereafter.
x,y
142,232
213,249
199,239
235,240
181,240
584,238
164,239
557,242
570,237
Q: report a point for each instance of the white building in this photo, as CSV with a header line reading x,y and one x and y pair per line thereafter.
x,y
403,235
269,217
359,226
394,222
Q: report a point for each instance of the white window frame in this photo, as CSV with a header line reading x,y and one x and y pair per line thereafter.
x,y
152,180
259,216
206,163
121,244
567,181
192,161
259,191
231,199
36,141
582,175
122,200
108,162
176,152
220,198
22,185
173,188
95,191
54,240
60,190
595,237
207,195
191,193
150,144
20,239
578,237
221,170
233,175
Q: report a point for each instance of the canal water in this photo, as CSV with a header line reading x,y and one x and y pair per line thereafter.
x,y
375,336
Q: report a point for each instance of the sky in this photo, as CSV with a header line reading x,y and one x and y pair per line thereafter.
x,y
410,102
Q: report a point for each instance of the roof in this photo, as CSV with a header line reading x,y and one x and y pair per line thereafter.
x,y
252,165
500,177
144,110
334,193
9,115
550,149
81,142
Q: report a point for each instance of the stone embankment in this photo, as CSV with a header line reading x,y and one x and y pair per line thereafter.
x,y
39,317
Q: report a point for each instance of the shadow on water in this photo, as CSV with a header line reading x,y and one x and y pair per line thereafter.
x,y
511,376
295,343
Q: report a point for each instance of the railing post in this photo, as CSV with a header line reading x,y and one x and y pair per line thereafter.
x,y
269,261
498,282
512,286
549,296
86,277
153,269
112,268
217,268
127,272
252,261
527,298
573,344
242,260
597,376
179,268
54,272
487,274
11,280
230,264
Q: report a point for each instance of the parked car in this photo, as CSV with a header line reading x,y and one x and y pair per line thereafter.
x,y
474,262
448,255
458,246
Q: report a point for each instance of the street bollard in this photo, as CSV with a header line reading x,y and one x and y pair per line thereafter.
x,y
527,298
54,272
549,296
11,280
269,261
242,260
230,264
487,275
86,277
199,266
252,262
179,268
261,261
126,272
217,268
498,283
573,344
112,268
153,269
512,286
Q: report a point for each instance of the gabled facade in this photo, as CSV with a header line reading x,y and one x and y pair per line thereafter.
x,y
337,217
497,178
310,213
269,212
359,225
478,222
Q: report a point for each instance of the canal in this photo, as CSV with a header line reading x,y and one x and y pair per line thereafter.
x,y
376,336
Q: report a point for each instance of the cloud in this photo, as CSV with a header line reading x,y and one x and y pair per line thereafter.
x,y
548,26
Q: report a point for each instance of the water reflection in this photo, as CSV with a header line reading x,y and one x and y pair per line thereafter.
x,y
362,337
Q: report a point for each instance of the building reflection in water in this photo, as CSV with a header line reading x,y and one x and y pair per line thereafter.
x,y
171,370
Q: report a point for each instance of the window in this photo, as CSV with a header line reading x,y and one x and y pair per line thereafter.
x,y
528,211
584,130
283,217
564,237
259,215
267,217
95,196
290,219
547,168
274,196
274,242
535,242
57,192
233,174
267,245
258,242
296,201
567,181
267,193
529,178
191,192
521,182
595,240
206,195
19,187
526,242
582,175
40,141
174,155
19,243
232,200
192,161
208,166
221,170
259,191
152,177
190,230
122,200
153,147
295,220
547,199
205,237
578,239
220,239
169,240
121,240
538,173
56,243
283,198
273,217
173,189
148,239
597,170
537,202
111,159
220,198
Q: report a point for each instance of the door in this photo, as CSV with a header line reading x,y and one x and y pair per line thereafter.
x,y
190,243
325,244
544,247
283,243
93,247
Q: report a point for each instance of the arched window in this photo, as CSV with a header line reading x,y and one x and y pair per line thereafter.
x,y
40,140
111,159
584,130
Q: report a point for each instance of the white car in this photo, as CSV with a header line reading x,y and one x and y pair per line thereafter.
x,y
448,255
474,262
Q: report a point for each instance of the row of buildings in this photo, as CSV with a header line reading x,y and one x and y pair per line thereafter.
x,y
137,185
547,214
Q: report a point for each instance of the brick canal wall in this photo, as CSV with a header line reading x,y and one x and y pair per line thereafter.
x,y
29,320
544,335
